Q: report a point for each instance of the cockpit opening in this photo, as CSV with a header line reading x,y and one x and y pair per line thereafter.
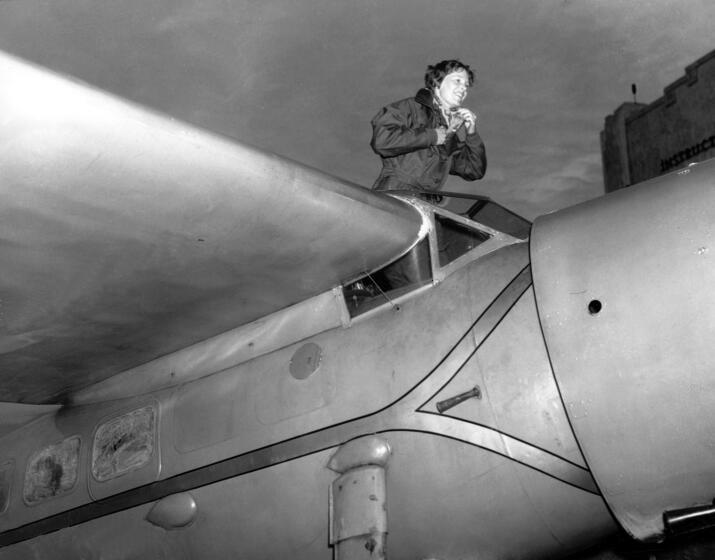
x,y
452,236
407,273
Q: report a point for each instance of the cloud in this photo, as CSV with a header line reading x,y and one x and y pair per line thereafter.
x,y
303,79
577,180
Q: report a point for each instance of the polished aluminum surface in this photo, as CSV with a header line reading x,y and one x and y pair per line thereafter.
x,y
624,287
126,235
501,476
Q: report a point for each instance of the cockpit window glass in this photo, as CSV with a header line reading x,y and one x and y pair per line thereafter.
x,y
499,218
407,273
454,239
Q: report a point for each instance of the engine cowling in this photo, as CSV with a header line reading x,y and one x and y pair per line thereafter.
x,y
624,285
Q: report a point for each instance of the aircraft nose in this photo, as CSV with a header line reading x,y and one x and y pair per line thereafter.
x,y
624,289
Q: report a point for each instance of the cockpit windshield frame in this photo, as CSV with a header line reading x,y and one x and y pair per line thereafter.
x,y
496,240
484,240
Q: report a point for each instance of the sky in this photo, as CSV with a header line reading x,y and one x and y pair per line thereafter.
x,y
303,78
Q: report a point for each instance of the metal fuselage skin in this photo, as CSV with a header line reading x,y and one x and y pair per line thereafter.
x,y
624,286
503,476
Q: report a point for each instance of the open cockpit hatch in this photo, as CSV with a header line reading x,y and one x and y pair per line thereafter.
x,y
452,241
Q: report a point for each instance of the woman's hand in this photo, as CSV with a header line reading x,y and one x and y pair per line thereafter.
x,y
463,115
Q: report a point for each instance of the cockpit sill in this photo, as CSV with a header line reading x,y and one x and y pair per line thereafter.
x,y
317,314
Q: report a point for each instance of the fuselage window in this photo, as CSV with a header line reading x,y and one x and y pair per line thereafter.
x,y
407,273
123,444
52,471
454,239
6,472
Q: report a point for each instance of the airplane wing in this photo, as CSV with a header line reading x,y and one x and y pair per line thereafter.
x,y
126,235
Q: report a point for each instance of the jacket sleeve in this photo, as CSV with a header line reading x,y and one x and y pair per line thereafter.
x,y
469,160
392,135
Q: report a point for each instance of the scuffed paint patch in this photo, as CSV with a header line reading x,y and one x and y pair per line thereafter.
x,y
52,471
123,444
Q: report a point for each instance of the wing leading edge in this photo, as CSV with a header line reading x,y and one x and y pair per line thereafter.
x,y
126,235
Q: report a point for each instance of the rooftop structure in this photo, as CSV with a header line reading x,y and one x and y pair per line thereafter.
x,y
641,141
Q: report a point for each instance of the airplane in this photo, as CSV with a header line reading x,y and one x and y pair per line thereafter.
x,y
202,357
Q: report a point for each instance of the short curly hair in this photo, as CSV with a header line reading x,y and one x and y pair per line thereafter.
x,y
436,72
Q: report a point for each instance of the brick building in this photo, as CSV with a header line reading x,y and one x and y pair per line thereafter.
x,y
642,141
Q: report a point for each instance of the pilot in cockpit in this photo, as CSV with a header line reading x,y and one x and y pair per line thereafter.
x,y
421,141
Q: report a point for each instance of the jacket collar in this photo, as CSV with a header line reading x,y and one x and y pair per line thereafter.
x,y
425,97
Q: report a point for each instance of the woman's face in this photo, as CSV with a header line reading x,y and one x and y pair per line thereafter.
x,y
453,89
